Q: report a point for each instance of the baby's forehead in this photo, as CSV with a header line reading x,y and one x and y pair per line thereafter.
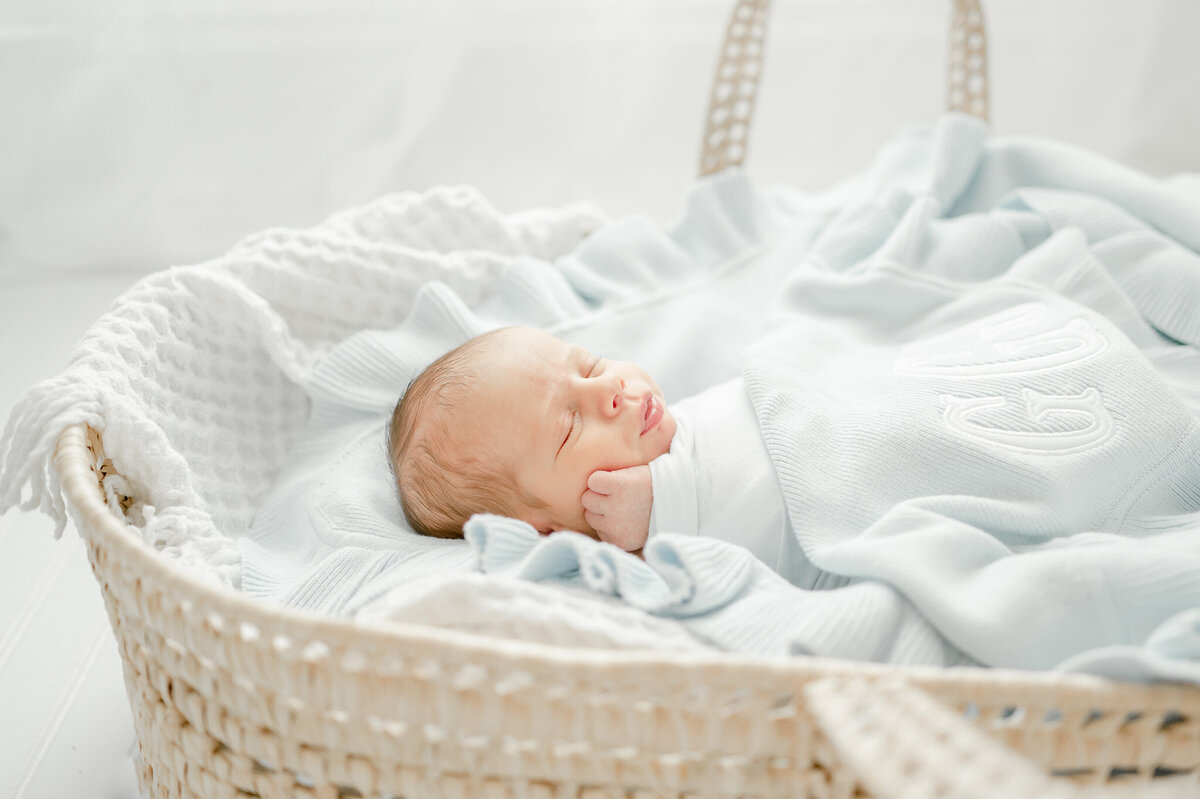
x,y
504,373
516,362
533,356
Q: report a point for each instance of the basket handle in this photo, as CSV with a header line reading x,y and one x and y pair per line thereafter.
x,y
966,60
903,744
739,68
734,87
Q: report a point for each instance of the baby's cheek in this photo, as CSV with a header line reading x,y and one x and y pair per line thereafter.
x,y
580,509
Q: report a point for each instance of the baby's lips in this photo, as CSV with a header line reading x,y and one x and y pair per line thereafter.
x,y
652,412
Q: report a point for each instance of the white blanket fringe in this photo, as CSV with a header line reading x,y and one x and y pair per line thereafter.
x,y
27,446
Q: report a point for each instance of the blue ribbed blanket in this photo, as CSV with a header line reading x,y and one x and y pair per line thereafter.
x,y
976,369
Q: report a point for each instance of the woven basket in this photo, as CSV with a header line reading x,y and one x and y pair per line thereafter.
x,y
233,698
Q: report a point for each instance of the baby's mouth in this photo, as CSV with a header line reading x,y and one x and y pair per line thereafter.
x,y
652,413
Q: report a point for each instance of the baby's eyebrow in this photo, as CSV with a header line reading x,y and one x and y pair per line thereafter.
x,y
575,354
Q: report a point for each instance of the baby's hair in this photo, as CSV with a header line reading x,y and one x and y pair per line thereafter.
x,y
442,482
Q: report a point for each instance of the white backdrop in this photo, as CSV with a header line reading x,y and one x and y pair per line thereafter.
x,y
135,134
143,133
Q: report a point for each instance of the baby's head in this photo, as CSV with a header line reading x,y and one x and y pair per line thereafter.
x,y
513,422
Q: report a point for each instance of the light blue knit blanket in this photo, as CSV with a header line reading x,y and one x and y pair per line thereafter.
x,y
976,369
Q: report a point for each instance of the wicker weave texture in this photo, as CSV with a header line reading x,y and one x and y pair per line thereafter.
x,y
734,87
233,698
966,67
870,724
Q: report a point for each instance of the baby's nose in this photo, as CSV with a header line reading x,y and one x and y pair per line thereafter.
x,y
614,396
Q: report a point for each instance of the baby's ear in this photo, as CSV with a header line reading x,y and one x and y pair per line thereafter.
x,y
539,522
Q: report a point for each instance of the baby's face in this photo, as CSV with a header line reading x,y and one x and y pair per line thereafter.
x,y
562,413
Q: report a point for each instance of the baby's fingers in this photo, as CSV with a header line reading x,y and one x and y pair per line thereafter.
x,y
596,503
596,522
602,482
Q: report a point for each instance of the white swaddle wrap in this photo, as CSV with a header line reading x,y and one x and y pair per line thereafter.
x,y
717,480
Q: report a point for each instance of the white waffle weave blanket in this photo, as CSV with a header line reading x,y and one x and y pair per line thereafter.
x,y
193,376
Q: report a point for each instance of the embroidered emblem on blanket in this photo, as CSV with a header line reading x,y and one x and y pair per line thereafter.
x,y
1024,339
967,416
1020,340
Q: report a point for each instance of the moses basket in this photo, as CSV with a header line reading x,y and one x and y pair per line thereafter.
x,y
234,698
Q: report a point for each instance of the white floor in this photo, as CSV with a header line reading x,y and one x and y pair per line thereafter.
x,y
65,726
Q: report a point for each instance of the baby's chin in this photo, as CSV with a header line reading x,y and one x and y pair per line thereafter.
x,y
665,434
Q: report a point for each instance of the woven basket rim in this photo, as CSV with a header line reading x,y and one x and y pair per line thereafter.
x,y
98,520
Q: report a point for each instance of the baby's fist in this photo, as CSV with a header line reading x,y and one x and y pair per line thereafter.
x,y
617,506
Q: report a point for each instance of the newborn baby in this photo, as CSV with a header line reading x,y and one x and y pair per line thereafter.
x,y
519,423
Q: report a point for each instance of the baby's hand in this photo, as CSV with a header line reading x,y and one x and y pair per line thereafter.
x,y
617,506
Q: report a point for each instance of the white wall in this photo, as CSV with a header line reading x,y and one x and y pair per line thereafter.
x,y
1116,76
142,133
